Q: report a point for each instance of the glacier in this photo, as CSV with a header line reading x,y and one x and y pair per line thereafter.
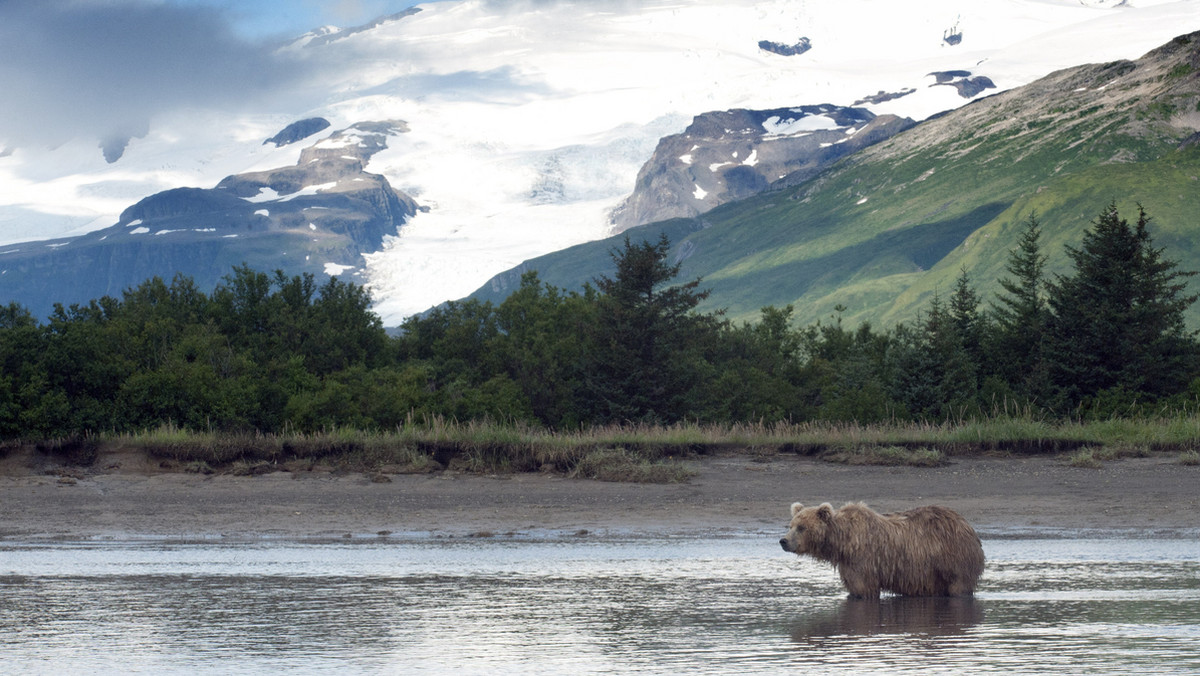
x,y
529,120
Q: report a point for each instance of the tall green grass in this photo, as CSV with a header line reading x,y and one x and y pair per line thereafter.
x,y
637,452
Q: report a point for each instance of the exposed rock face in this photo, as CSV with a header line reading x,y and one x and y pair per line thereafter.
x,y
298,131
896,222
733,154
803,45
967,86
883,96
324,211
952,35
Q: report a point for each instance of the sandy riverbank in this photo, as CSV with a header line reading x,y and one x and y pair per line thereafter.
x,y
128,497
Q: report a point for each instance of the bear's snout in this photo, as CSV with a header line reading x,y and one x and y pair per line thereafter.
x,y
783,543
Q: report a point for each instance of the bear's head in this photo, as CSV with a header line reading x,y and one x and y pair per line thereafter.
x,y
808,532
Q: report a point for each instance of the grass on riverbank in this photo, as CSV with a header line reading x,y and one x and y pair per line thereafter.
x,y
640,453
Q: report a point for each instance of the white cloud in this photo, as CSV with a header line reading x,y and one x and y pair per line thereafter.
x,y
106,69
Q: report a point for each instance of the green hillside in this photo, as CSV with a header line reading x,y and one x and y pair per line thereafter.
x,y
884,229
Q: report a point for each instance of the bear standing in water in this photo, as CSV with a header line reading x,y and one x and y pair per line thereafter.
x,y
927,551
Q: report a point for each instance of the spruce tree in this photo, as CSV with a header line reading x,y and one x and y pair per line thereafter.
x,y
969,325
647,340
1117,322
936,377
1020,317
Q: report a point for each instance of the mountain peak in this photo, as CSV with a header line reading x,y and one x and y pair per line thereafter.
x,y
883,230
529,122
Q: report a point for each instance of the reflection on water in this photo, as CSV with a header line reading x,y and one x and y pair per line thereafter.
x,y
892,615
651,606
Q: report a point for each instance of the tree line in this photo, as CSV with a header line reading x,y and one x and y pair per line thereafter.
x,y
274,353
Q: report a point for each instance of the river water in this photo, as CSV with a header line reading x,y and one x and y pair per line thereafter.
x,y
563,605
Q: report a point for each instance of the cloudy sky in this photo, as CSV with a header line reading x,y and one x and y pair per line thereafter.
x,y
100,68
265,18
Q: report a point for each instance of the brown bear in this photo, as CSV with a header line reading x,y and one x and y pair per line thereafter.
x,y
927,551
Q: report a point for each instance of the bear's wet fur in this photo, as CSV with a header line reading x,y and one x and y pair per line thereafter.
x,y
927,551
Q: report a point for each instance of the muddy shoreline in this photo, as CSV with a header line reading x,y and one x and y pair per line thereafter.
x,y
131,498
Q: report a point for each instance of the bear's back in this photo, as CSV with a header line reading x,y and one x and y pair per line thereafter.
x,y
946,549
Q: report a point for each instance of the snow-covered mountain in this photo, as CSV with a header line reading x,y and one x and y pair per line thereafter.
x,y
528,121
726,156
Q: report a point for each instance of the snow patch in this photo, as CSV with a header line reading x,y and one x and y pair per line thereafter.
x,y
265,194
700,193
263,212
139,231
332,269
346,140
308,191
777,126
686,159
751,159
474,150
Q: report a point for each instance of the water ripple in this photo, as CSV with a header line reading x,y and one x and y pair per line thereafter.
x,y
637,606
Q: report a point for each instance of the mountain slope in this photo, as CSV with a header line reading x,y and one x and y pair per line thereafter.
x,y
318,216
529,121
885,228
730,155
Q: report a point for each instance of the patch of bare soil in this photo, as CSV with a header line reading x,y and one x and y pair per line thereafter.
x,y
130,495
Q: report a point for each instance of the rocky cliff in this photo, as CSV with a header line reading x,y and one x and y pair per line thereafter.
x,y
318,216
877,236
729,155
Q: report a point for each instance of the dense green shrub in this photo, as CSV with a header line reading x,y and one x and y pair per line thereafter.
x,y
269,354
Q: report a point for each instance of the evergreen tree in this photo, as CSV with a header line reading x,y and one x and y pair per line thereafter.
x,y
936,378
648,341
1117,323
969,325
758,372
1020,317
848,373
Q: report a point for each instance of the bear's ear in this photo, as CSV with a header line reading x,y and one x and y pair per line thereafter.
x,y
825,512
796,507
